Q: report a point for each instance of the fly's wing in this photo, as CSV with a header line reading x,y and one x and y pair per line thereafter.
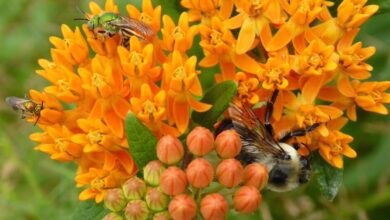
x,y
133,27
16,103
254,136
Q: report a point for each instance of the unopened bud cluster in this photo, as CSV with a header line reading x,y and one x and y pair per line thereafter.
x,y
169,191
139,199
202,186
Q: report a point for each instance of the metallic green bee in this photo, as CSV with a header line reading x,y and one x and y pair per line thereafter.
x,y
28,107
108,24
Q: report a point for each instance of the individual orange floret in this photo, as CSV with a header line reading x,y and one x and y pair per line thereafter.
x,y
114,199
256,174
214,207
173,181
136,209
169,150
182,207
200,173
248,87
230,172
246,199
200,141
228,144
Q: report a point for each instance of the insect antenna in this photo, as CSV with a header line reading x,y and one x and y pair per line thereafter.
x,y
83,13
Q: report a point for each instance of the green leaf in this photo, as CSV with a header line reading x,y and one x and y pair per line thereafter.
x,y
328,178
171,8
219,96
89,210
142,142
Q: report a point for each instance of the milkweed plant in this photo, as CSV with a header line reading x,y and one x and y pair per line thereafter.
x,y
137,114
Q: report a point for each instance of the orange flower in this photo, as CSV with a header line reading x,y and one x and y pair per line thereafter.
x,y
56,141
353,13
371,96
151,109
274,73
206,9
302,14
139,65
181,82
334,145
115,169
72,49
254,18
97,137
247,87
180,37
106,85
66,84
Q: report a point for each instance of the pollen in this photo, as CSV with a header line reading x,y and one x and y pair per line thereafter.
x,y
179,73
98,183
178,33
98,80
95,137
216,37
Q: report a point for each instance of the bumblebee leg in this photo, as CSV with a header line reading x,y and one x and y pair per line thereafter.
x,y
268,112
298,133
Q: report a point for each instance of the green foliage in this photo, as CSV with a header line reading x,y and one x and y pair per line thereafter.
x,y
219,96
89,210
328,178
142,142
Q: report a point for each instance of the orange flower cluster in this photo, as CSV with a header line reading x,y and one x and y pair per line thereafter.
x,y
95,82
300,49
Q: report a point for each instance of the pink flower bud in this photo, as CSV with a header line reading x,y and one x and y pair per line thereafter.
x,y
173,181
169,150
152,172
200,173
228,144
246,199
134,188
156,200
230,172
214,207
182,207
114,199
136,210
256,174
200,141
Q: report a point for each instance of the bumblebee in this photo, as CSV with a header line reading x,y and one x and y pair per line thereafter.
x,y
287,169
28,107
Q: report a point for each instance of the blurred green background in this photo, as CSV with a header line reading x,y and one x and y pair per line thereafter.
x,y
34,187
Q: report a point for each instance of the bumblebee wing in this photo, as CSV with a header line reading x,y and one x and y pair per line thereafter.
x,y
252,131
132,27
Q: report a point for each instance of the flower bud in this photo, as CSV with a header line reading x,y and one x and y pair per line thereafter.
x,y
162,216
112,216
134,188
114,199
182,207
200,173
214,206
256,174
230,172
136,210
246,199
152,172
228,144
200,141
173,181
169,150
156,200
